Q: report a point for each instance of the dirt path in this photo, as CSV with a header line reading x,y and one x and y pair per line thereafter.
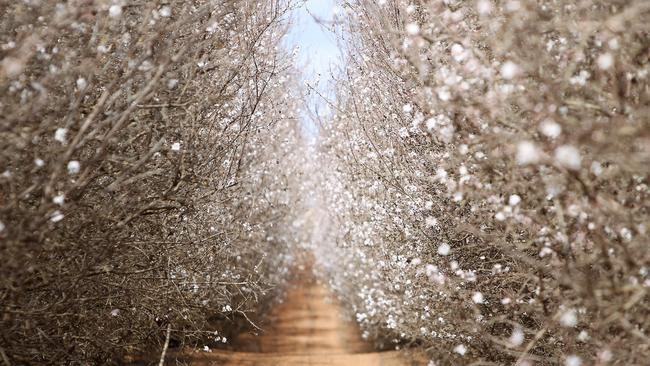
x,y
306,329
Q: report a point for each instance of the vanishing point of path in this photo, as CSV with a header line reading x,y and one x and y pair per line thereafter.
x,y
306,329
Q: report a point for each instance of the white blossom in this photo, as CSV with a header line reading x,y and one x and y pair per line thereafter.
x,y
444,94
581,78
573,360
115,11
81,83
605,355
56,216
514,200
583,336
517,337
509,70
413,29
13,66
444,249
527,153
569,318
431,270
165,11
458,52
73,167
605,61
477,297
172,83
460,349
59,199
484,7
568,156
596,168
550,128
60,135
446,133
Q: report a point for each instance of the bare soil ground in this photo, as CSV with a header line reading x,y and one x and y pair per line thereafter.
x,y
307,328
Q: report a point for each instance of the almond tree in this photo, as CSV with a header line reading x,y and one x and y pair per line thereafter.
x,y
488,178
146,151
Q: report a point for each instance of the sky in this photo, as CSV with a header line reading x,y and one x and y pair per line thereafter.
x,y
317,51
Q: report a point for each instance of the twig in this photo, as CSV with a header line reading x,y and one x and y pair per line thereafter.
x,y
251,322
163,105
530,345
4,357
164,351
